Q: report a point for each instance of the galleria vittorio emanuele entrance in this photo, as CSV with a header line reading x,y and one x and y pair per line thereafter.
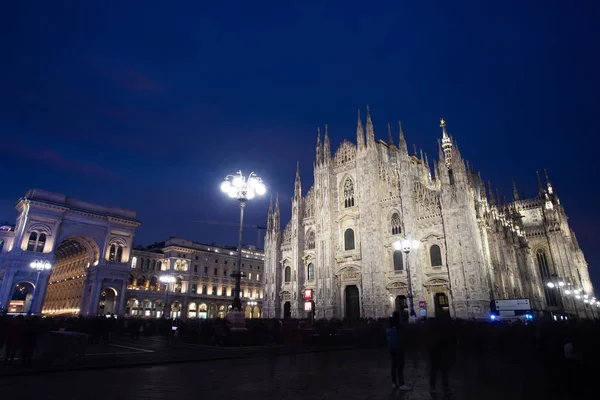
x,y
87,246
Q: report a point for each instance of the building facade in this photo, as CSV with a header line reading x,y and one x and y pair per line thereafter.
x,y
468,246
203,286
96,271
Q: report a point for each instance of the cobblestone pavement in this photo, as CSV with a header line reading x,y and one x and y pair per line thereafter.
x,y
350,374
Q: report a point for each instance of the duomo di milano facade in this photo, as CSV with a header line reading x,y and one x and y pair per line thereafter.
x,y
473,245
96,271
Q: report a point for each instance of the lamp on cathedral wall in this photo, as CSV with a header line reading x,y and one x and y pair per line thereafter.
x,y
406,245
39,266
242,189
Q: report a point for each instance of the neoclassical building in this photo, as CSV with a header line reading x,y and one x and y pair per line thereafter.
x,y
96,271
469,245
203,286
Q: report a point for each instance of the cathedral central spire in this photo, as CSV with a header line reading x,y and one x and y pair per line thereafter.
x,y
446,144
402,144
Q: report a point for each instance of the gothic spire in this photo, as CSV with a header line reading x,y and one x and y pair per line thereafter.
x,y
270,216
370,131
540,186
297,186
446,144
492,200
427,161
548,184
276,217
390,139
326,147
360,133
422,159
319,147
402,144
515,191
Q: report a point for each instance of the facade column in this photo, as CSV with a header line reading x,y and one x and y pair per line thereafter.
x,y
120,300
6,288
40,294
92,302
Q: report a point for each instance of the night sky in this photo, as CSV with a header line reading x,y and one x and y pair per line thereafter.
x,y
148,106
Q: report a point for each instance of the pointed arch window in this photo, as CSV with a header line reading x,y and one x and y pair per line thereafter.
x,y
396,224
435,256
546,275
349,239
310,240
398,261
287,274
311,272
348,193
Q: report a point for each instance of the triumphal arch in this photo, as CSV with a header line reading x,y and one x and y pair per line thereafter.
x,y
87,246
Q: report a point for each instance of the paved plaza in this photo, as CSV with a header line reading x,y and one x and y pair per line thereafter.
x,y
266,373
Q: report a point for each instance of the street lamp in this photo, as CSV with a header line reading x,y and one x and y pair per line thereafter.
x,y
39,266
243,189
252,303
406,246
167,280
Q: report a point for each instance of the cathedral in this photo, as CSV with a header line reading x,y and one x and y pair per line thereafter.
x,y
382,230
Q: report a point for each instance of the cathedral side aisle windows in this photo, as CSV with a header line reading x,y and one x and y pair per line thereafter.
x,y
310,240
349,239
311,272
435,255
348,193
288,274
396,224
546,275
398,261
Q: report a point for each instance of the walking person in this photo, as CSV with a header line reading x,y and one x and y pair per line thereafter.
x,y
441,346
397,347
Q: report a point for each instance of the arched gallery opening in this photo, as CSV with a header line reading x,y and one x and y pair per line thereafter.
x,y
20,301
72,256
107,302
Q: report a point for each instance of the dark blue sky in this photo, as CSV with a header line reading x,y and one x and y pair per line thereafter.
x,y
147,106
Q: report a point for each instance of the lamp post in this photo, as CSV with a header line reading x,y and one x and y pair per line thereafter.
x,y
252,303
39,266
167,280
242,189
406,246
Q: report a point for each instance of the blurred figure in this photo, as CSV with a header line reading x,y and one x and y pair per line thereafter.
x,y
397,347
441,346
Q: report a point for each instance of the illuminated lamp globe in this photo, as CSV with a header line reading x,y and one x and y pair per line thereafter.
x,y
561,284
238,182
550,285
250,195
226,186
567,292
261,189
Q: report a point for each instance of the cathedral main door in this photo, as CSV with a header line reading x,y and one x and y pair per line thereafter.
x,y
352,303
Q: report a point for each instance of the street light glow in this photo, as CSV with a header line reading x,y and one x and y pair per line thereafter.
x,y
239,187
561,284
567,292
40,265
550,285
167,279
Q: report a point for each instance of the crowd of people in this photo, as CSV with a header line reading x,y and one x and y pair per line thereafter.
x,y
562,352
